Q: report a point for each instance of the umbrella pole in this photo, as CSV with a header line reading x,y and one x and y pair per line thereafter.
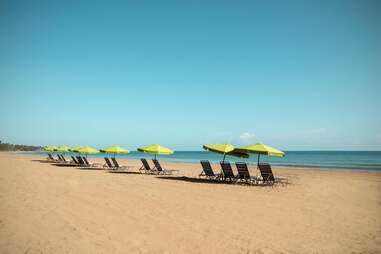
x,y
223,159
258,160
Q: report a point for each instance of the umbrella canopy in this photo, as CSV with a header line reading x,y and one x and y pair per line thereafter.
x,y
225,149
155,149
50,148
63,149
87,150
260,148
219,148
75,149
114,150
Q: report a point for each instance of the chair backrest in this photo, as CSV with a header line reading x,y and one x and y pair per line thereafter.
x,y
243,171
59,157
266,172
227,169
145,164
108,162
50,156
74,159
63,158
80,160
115,162
207,168
86,161
157,165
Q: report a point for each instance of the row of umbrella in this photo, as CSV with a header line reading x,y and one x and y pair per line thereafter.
x,y
153,149
225,149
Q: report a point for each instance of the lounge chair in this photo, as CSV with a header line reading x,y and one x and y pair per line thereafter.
x,y
117,166
74,160
243,173
160,170
207,170
92,165
227,171
81,162
63,159
146,167
59,158
108,163
50,158
268,176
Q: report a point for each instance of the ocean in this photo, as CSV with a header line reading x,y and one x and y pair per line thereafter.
x,y
361,160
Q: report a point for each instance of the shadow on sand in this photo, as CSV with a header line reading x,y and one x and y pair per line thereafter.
x,y
44,161
193,180
210,181
123,172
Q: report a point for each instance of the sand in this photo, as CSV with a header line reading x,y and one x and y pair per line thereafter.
x,y
50,209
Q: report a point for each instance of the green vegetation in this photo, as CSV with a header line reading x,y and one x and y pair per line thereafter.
x,y
12,147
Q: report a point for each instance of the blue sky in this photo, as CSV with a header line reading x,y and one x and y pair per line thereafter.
x,y
298,75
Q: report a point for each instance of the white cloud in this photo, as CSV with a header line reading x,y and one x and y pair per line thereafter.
x,y
247,137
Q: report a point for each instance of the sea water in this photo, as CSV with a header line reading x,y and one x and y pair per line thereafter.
x,y
362,160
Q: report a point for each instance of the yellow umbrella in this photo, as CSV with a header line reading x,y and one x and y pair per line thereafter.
x,y
63,149
87,150
225,149
50,148
75,149
260,148
155,149
114,149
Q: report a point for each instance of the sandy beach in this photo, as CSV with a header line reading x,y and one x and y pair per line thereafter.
x,y
50,209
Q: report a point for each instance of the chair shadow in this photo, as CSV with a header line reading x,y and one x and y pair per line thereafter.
x,y
123,172
65,165
44,161
210,181
193,180
89,168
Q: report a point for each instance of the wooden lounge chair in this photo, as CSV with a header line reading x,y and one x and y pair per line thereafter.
x,y
243,173
117,166
207,170
108,163
160,170
227,171
268,176
146,167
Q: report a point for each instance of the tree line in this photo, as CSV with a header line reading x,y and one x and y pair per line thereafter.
x,y
12,147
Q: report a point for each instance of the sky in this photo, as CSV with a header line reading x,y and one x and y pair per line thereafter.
x,y
297,75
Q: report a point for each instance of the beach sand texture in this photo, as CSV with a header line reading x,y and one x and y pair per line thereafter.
x,y
50,209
